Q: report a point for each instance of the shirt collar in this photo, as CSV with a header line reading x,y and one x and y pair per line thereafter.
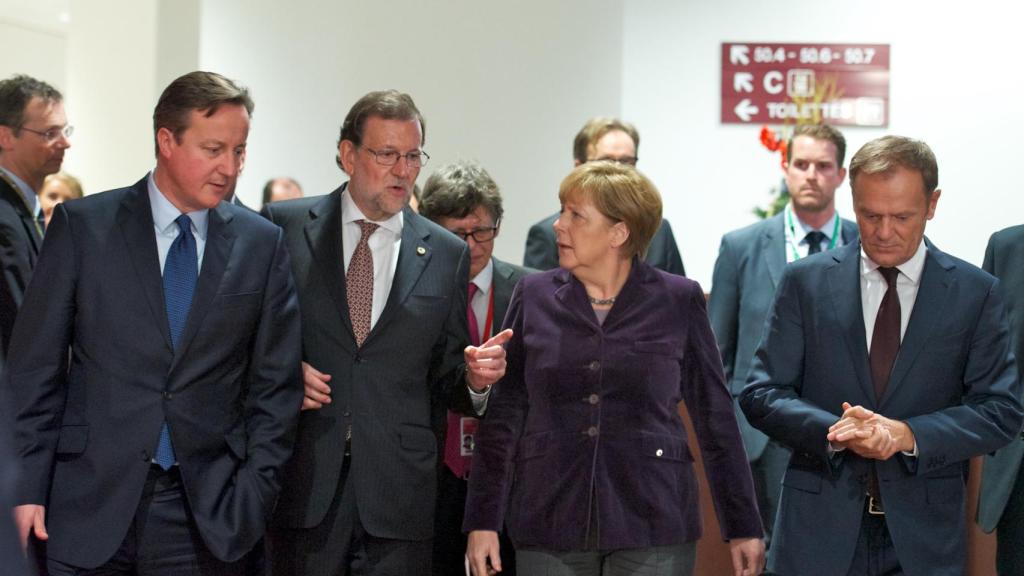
x,y
165,213
350,213
912,268
26,191
827,229
485,278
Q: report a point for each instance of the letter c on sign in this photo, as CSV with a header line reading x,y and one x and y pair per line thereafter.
x,y
773,82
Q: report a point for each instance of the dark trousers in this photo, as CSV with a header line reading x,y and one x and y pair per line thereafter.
x,y
340,546
875,554
1010,533
653,561
449,541
163,539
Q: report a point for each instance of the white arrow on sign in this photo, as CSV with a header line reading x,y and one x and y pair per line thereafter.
x,y
738,54
743,82
744,110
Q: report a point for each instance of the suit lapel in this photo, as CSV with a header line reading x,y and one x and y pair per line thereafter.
x,y
931,297
220,238
844,286
28,220
135,218
773,247
413,256
573,296
323,234
503,286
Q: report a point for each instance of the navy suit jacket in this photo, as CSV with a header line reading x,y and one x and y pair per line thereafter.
x,y
383,389
542,249
588,407
1004,258
86,429
954,384
19,247
748,269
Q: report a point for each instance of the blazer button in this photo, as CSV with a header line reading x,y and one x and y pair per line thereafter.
x,y
167,395
592,431
145,456
595,366
358,359
593,398
659,452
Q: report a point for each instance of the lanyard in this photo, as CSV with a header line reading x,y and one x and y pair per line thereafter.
x,y
792,234
489,323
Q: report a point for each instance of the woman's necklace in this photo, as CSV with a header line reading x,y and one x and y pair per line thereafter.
x,y
601,301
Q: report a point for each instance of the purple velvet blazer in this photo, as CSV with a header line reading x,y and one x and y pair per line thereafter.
x,y
587,410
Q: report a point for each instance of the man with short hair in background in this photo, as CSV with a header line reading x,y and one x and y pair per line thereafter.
x,y
34,134
464,199
283,188
885,366
154,376
610,140
748,269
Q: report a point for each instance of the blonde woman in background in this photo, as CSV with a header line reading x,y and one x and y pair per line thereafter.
x,y
58,187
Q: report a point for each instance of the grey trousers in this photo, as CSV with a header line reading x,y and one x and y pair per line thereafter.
x,y
654,561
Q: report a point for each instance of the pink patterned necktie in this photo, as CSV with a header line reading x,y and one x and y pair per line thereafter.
x,y
458,442
359,283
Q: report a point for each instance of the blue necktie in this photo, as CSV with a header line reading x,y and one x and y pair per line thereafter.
x,y
181,271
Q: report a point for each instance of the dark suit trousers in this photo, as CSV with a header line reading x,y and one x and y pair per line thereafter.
x,y
449,541
340,546
1010,533
163,540
875,554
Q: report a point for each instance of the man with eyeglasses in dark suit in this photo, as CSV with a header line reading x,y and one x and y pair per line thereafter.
x,y
611,140
34,134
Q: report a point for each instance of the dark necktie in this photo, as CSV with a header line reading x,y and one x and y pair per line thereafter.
x,y
457,453
41,221
359,283
814,239
885,339
181,271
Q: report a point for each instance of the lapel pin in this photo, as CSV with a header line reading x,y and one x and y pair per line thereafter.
x,y
421,250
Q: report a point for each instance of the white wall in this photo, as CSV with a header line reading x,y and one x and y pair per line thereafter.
x,y
45,60
953,85
505,83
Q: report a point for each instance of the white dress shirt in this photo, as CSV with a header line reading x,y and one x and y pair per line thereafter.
x,y
796,234
384,245
873,289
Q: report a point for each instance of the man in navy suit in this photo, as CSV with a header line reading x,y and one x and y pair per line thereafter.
x,y
156,447
33,137
383,298
1001,507
885,366
749,265
612,140
464,199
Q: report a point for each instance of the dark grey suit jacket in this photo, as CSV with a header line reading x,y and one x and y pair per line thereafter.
x,y
748,269
384,389
1004,258
19,247
542,249
86,429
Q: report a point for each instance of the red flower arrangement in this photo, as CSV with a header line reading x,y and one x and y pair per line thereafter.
x,y
771,141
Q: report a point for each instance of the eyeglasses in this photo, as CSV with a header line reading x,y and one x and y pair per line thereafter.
x,y
53,134
390,157
479,235
628,160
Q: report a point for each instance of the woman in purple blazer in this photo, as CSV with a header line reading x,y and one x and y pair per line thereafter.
x,y
582,453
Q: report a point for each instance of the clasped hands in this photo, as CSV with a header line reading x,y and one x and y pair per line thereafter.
x,y
870,435
485,365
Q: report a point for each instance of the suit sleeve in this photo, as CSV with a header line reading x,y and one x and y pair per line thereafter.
x,y
989,415
493,468
724,308
541,248
772,399
989,264
448,365
710,406
34,388
15,271
673,260
275,391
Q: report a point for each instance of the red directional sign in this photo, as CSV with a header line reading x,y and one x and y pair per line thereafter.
x,y
842,84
